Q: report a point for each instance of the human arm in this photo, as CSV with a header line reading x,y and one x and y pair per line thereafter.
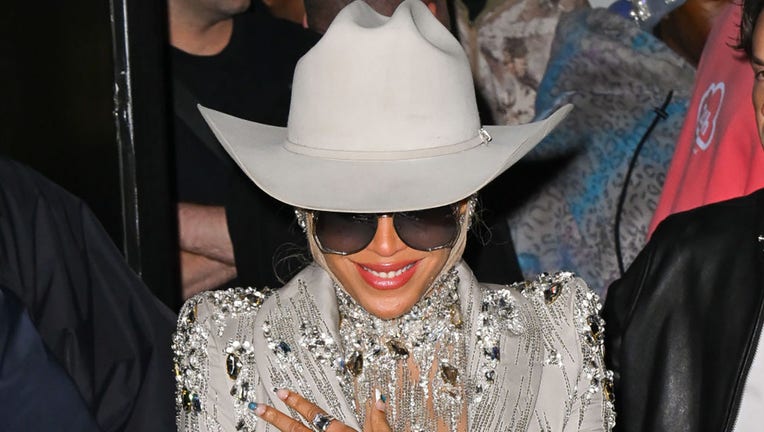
x,y
206,251
203,230
199,273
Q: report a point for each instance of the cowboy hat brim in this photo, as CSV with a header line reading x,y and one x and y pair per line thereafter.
x,y
371,186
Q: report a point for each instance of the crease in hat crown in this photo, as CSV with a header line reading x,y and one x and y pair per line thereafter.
x,y
377,87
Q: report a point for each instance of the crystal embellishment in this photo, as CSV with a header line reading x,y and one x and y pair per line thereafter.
x,y
595,326
426,343
232,365
607,387
420,359
191,315
456,316
397,349
552,292
185,397
354,363
196,402
449,373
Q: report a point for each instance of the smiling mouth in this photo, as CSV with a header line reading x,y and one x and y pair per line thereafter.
x,y
379,277
389,274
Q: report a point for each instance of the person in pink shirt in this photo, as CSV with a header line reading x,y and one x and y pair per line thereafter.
x,y
717,155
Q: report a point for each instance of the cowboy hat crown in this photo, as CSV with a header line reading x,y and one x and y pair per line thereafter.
x,y
383,118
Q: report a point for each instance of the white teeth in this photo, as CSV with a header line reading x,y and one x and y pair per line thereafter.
x,y
390,274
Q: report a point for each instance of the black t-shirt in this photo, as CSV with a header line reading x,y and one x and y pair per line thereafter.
x,y
251,79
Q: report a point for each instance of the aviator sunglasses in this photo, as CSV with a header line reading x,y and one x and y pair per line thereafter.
x,y
424,230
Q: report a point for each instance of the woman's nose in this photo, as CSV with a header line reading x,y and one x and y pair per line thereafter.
x,y
386,241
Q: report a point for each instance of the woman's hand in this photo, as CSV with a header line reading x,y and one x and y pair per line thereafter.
x,y
375,420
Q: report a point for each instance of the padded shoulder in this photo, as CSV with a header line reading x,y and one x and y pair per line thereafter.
x,y
573,334
209,361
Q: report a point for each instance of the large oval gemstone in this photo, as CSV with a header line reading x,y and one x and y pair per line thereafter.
x,y
232,365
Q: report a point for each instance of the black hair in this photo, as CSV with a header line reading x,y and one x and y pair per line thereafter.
x,y
751,12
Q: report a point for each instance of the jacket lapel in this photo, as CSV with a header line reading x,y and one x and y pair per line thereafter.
x,y
305,304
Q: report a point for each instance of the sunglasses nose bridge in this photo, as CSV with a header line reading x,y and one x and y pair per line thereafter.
x,y
386,241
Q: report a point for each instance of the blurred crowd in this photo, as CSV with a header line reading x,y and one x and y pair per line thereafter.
x,y
583,201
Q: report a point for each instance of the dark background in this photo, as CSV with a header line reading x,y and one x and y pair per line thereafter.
x,y
84,101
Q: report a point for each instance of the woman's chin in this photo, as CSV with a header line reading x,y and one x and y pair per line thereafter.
x,y
388,313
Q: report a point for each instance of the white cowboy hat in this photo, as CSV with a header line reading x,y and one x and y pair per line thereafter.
x,y
383,119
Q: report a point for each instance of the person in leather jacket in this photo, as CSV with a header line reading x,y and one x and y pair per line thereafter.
x,y
684,322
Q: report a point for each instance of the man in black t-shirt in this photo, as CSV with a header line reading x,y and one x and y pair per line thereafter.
x,y
241,62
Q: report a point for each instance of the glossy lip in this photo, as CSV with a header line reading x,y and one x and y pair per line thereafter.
x,y
385,284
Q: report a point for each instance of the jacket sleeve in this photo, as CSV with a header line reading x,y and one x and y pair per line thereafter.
x,y
592,407
215,375
575,392
624,295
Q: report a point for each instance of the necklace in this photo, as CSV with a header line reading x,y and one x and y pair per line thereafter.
x,y
417,360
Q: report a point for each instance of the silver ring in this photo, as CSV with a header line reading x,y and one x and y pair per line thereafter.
x,y
321,421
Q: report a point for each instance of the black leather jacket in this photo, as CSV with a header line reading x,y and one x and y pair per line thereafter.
x,y
683,323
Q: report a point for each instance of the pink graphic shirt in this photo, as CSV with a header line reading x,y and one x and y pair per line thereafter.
x,y
718,155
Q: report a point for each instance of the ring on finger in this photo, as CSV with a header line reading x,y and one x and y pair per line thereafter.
x,y
321,421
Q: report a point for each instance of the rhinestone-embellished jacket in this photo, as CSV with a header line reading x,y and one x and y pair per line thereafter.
x,y
533,355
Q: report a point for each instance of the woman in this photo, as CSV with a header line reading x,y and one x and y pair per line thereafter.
x,y
382,157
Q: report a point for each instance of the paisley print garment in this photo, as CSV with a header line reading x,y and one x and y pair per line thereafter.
x,y
616,75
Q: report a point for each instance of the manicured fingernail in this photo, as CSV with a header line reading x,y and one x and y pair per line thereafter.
x,y
380,405
381,400
260,410
282,394
379,396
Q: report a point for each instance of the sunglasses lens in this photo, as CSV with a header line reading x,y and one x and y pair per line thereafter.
x,y
427,229
344,233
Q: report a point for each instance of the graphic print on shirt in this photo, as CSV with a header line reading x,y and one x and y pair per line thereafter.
x,y
708,112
